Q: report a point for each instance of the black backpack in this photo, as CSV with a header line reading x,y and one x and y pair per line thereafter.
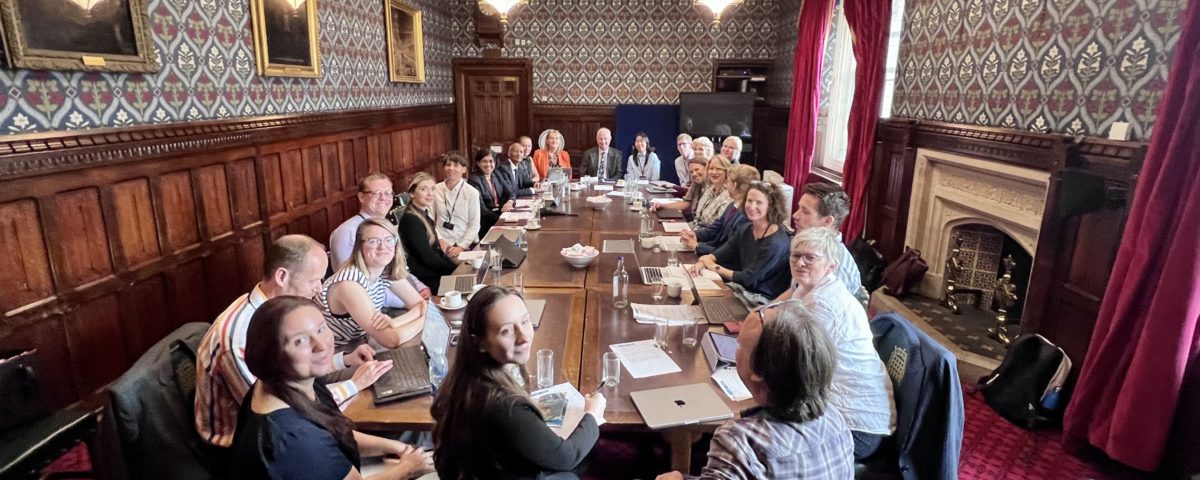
x,y
1027,387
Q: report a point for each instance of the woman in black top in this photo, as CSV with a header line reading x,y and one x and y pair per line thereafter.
x,y
289,426
485,425
756,256
426,259
495,194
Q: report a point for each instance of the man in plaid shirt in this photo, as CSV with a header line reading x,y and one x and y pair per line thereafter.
x,y
786,359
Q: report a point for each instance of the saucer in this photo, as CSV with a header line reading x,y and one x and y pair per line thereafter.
x,y
529,227
442,304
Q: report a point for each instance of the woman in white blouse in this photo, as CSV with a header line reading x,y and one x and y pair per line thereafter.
x,y
642,162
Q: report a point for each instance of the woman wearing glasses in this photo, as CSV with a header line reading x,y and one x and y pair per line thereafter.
x,y
861,390
755,257
352,299
419,236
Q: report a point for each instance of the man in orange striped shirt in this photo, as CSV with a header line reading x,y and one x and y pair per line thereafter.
x,y
294,265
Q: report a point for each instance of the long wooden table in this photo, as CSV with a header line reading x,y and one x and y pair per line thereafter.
x,y
579,323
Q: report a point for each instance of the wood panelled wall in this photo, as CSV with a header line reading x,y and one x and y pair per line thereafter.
x,y
109,239
1074,254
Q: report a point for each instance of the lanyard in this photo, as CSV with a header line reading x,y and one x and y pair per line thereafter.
x,y
450,207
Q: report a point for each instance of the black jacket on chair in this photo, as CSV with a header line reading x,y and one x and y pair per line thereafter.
x,y
148,426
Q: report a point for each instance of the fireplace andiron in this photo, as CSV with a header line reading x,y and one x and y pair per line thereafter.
x,y
1005,296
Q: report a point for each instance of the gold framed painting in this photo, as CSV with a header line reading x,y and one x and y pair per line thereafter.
x,y
286,40
89,35
405,43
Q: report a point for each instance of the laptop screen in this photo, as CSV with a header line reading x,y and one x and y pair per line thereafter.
x,y
436,334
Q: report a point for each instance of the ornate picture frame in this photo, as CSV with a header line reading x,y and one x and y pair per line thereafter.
x,y
286,38
405,42
88,35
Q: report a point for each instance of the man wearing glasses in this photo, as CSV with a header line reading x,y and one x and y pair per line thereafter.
x,y
375,197
683,143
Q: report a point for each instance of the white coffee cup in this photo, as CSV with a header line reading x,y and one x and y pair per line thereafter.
x,y
452,299
476,263
674,288
649,242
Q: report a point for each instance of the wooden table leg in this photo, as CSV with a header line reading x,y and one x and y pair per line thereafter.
x,y
681,449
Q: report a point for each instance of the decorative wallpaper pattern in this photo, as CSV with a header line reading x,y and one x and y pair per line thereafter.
x,y
626,51
206,50
1063,66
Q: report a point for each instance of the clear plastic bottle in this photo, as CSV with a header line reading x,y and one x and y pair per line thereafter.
x,y
438,368
620,285
645,224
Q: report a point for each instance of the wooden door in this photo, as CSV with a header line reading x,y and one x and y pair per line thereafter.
x,y
492,98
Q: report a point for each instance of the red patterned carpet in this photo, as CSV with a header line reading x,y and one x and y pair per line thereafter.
x,y
993,449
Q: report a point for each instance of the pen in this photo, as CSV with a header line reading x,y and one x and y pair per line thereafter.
x,y
598,388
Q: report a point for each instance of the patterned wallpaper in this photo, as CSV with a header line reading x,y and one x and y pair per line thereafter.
x,y
1064,66
206,50
626,51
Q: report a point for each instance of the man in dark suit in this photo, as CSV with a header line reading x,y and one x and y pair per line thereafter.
x,y
600,160
519,173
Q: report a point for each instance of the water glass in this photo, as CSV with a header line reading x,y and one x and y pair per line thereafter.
x,y
545,368
495,259
672,258
518,283
690,332
611,374
659,290
660,334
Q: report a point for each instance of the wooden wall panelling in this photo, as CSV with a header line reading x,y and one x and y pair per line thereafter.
x,y
770,138
169,223
23,256
890,187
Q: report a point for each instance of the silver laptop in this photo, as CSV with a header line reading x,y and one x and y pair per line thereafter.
x,y
495,233
462,283
682,405
654,275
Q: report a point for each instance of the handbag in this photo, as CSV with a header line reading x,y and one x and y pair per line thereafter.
x,y
869,261
901,275
21,396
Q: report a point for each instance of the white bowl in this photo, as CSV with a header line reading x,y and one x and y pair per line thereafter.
x,y
597,203
580,262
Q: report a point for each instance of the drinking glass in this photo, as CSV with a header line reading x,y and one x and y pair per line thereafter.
x,y
672,258
495,259
690,331
660,334
518,283
611,375
545,368
659,291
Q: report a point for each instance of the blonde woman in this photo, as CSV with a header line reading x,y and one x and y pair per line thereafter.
x,y
352,299
552,154
419,237
715,198
707,239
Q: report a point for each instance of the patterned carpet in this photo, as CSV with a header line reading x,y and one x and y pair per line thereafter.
x,y
967,330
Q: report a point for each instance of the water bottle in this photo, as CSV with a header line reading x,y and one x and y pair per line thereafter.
x,y
521,240
646,224
438,368
620,285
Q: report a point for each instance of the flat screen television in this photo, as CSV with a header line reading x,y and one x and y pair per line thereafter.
x,y
716,114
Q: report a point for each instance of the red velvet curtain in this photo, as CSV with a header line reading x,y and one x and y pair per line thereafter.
x,y
806,91
869,24
1146,334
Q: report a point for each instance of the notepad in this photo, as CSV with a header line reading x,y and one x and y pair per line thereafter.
x,y
572,411
643,359
674,227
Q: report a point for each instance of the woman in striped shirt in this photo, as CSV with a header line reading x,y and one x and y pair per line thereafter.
x,y
352,299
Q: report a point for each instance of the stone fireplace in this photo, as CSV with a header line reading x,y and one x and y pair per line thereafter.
x,y
952,191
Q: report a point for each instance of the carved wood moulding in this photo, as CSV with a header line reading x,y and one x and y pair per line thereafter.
x,y
44,153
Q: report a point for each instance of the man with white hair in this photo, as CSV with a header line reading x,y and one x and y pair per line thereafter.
x,y
731,148
600,160
683,143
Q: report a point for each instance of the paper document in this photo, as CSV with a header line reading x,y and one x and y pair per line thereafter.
x,y
662,183
616,194
523,203
674,227
672,244
566,419
602,188
672,314
642,359
665,200
730,383
618,246
469,255
704,273
515,216
706,283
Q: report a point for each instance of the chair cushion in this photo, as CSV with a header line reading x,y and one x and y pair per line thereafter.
x,y
27,449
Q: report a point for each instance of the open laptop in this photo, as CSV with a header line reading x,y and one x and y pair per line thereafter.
x,y
513,255
463,283
495,233
409,376
719,310
654,275
682,405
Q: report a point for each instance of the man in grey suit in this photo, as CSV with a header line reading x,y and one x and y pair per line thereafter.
x,y
600,160
519,174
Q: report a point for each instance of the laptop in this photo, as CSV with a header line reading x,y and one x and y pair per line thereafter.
x,y
666,213
409,376
496,233
513,255
465,282
719,310
682,405
654,275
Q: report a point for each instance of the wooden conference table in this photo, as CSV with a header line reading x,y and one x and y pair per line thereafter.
x,y
579,323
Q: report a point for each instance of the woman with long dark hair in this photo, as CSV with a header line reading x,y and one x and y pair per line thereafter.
x,y
643,162
485,425
289,427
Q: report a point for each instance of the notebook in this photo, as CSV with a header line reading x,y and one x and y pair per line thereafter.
x,y
682,405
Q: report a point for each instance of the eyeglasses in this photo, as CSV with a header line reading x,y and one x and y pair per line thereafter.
x,y
378,193
762,316
375,242
809,258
